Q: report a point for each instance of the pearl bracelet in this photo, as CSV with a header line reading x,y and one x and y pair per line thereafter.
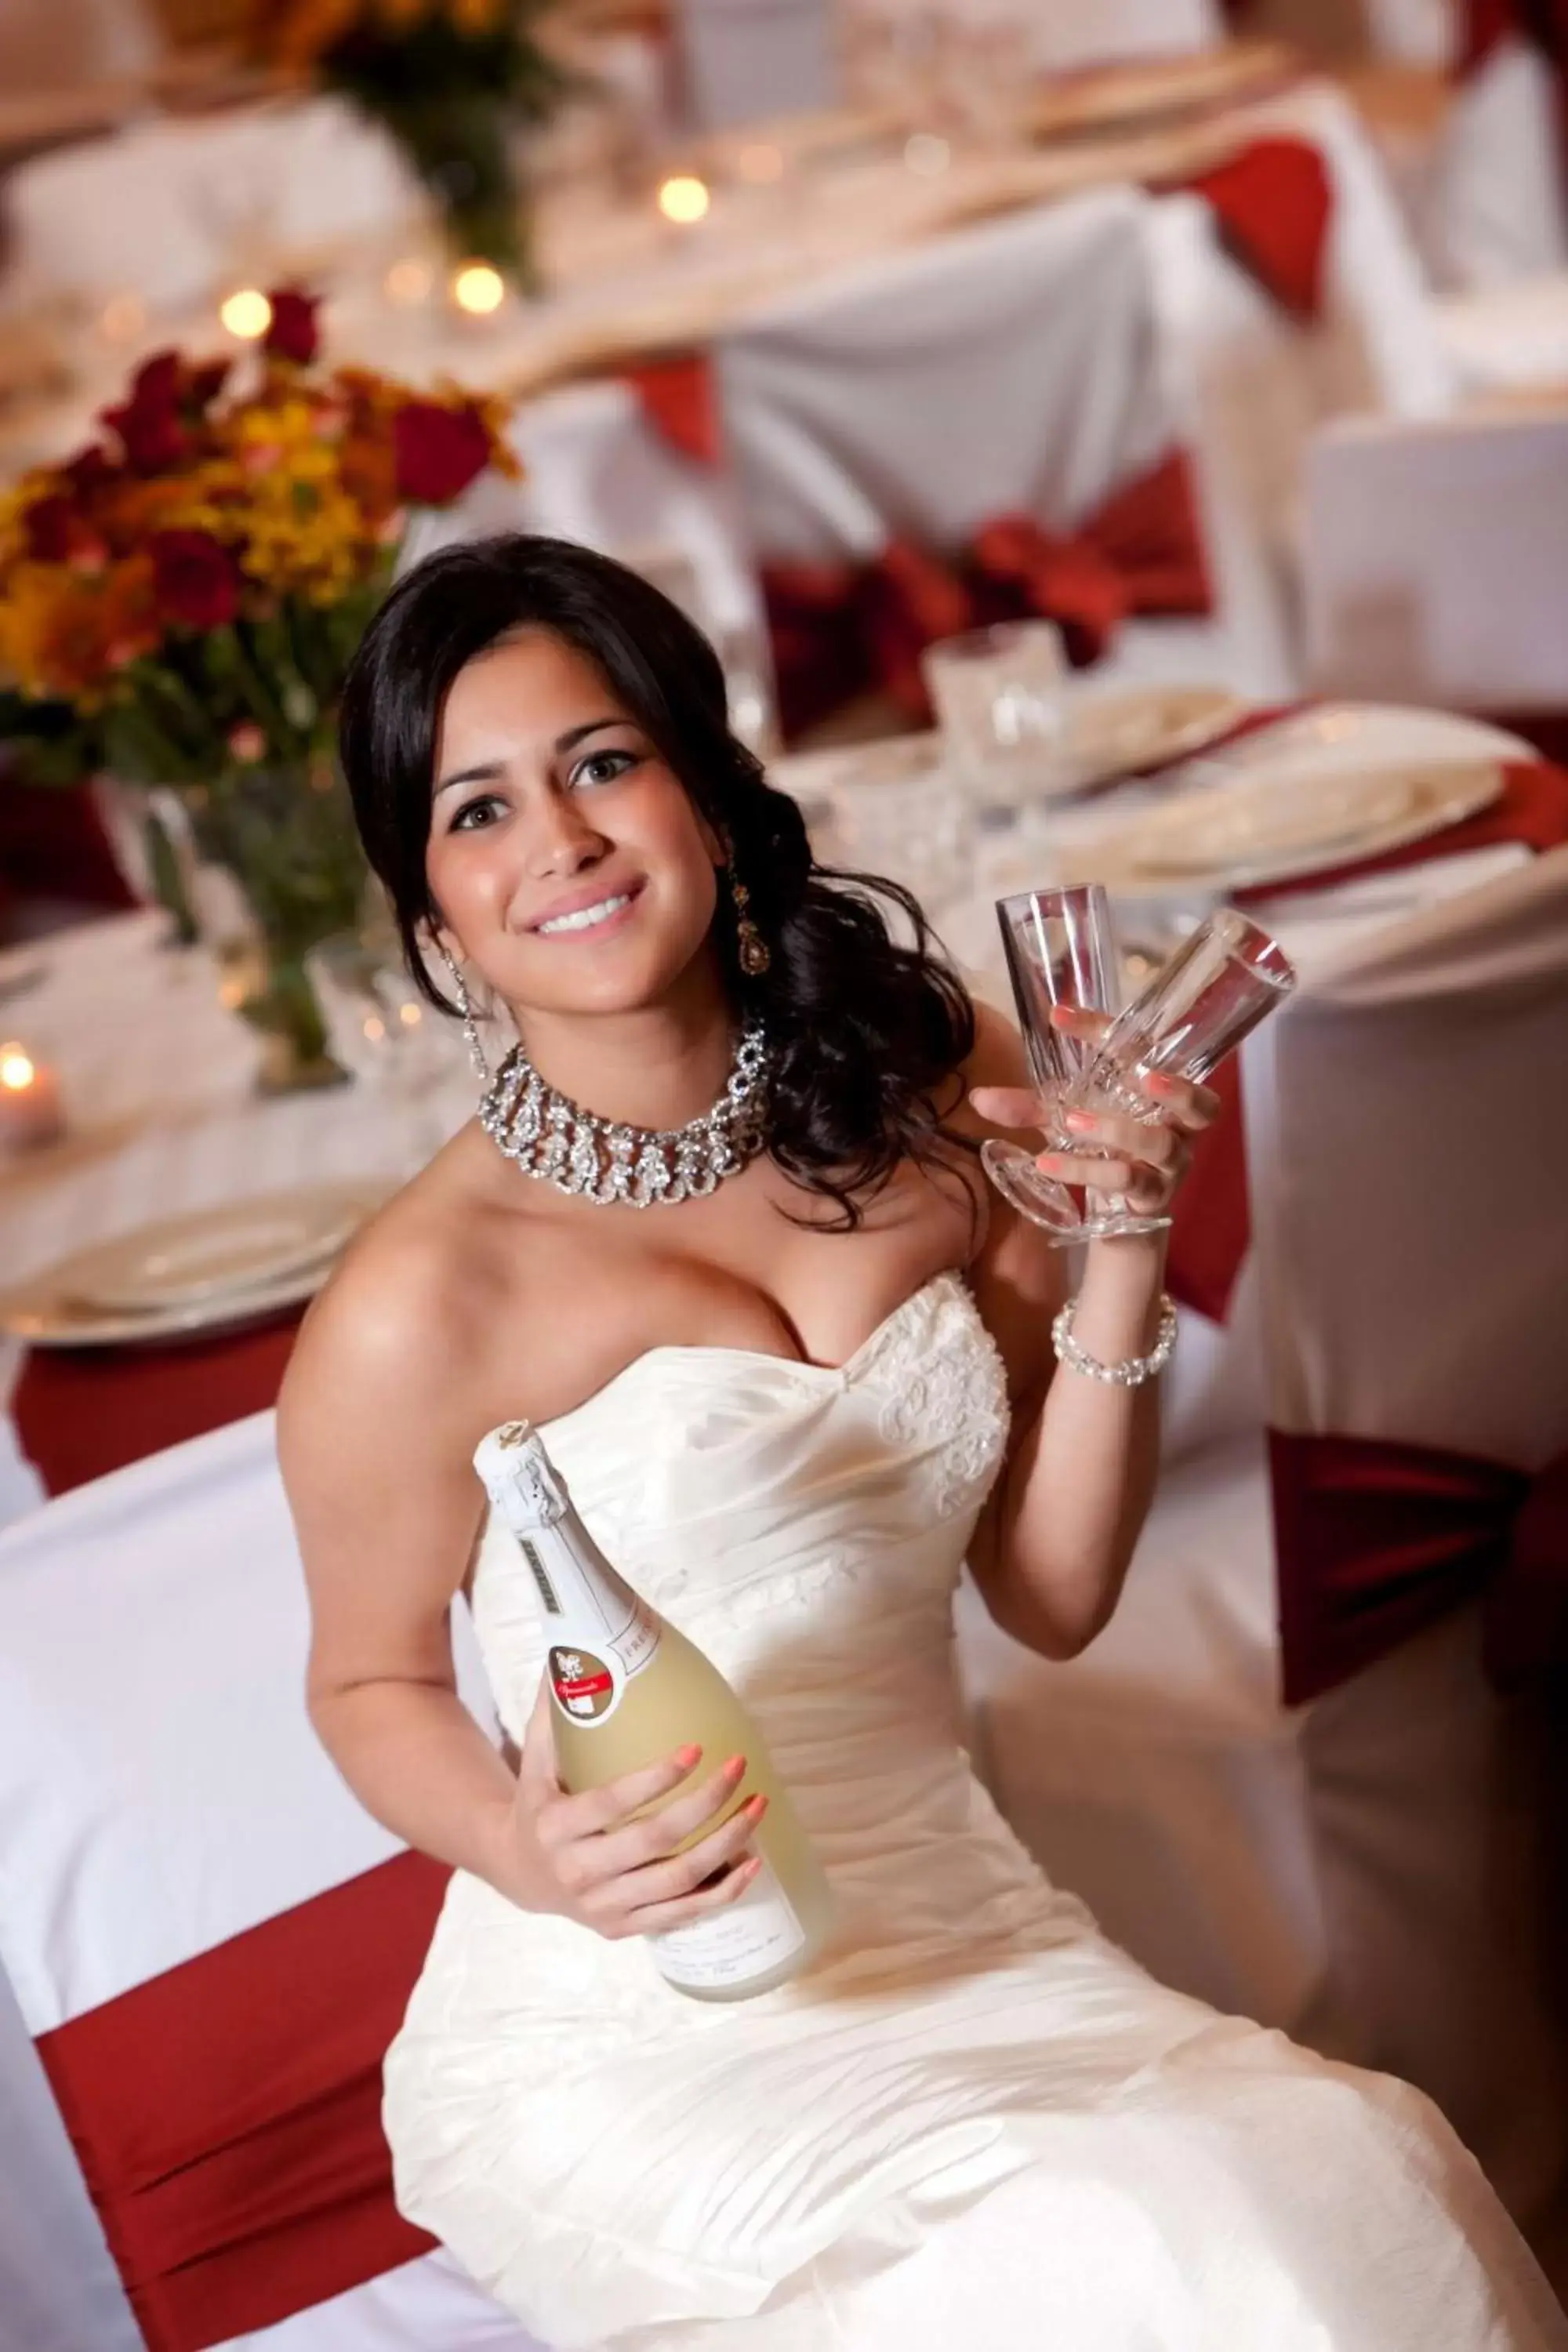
x,y
1136,1369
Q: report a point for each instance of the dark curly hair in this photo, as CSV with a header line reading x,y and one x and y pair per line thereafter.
x,y
866,1035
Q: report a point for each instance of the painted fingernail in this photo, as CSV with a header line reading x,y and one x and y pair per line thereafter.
x,y
686,1758
1080,1121
1053,1163
734,1768
750,1867
755,1807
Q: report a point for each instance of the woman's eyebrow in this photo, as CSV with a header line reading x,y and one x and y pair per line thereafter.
x,y
575,735
490,771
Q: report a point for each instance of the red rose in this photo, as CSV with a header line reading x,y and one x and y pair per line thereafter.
x,y
206,381
88,470
293,334
52,526
148,423
195,579
439,451
157,382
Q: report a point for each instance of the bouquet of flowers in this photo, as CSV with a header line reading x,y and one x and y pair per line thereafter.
x,y
179,604
450,80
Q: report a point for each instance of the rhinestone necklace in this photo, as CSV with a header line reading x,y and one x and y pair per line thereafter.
x,y
603,1160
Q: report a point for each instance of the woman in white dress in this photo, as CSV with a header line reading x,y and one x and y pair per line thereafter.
x,y
789,1406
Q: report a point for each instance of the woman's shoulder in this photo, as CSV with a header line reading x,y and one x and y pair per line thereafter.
x,y
997,1057
410,1303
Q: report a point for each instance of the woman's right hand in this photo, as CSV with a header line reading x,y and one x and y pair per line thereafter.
x,y
621,1876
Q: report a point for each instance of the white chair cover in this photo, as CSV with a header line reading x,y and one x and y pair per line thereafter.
x,y
1436,561
1355,1870
1499,199
747,60
170,211
1010,367
161,1790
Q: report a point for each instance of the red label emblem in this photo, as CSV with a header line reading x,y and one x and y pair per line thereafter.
x,y
583,1685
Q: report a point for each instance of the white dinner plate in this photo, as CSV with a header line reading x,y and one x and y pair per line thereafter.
x,y
1339,735
54,1310
1115,734
1279,824
888,759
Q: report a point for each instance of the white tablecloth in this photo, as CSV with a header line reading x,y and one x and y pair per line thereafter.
x,y
159,1087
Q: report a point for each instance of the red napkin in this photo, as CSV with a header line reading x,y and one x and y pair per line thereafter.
x,y
680,403
1274,202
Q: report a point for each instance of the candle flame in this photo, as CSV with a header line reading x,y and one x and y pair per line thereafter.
x,y
246,314
17,1069
477,289
684,198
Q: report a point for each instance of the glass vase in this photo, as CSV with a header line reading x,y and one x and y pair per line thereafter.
x,y
286,836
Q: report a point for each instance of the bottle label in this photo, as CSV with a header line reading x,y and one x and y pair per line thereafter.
x,y
758,1932
585,1687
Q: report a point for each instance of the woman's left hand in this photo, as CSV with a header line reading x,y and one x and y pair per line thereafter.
x,y
1135,1163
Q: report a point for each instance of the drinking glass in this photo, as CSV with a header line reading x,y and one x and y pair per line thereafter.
x,y
997,693
1229,976
386,1034
1060,949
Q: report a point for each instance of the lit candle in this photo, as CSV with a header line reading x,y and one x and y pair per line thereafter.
x,y
684,199
246,314
478,289
29,1101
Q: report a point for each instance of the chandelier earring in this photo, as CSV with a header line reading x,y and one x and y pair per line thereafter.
x,y
465,1006
754,954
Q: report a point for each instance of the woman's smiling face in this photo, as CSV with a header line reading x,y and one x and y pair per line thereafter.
x,y
567,859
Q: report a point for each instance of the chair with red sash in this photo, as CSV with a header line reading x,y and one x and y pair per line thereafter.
x,y
976,428
1282,1777
204,1945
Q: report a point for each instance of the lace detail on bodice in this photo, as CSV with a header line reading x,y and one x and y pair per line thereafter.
x,y
946,1390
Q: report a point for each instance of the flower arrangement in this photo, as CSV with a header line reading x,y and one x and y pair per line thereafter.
x,y
180,601
450,80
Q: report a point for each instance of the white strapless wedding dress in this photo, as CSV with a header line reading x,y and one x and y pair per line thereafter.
x,y
979,2128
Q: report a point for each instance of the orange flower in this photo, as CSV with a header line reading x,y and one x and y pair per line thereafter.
x,y
61,634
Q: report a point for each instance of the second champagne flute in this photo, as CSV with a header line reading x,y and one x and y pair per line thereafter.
x,y
1227,978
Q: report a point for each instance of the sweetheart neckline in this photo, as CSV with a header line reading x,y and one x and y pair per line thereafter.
x,y
838,1373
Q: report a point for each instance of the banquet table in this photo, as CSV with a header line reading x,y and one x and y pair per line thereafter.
x,y
159,1085
160,1089
623,282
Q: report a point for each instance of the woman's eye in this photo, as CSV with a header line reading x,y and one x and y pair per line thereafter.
x,y
475,813
603,767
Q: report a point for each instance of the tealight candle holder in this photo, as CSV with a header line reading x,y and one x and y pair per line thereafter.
x,y
30,1113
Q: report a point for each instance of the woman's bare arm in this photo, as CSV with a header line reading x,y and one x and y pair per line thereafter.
x,y
376,1433
1055,1540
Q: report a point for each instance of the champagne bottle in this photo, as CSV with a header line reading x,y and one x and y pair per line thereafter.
x,y
626,1689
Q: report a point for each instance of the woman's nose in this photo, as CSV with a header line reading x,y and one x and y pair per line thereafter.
x,y
560,841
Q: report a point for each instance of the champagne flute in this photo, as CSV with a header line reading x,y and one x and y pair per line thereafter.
x,y
1216,988
1060,949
